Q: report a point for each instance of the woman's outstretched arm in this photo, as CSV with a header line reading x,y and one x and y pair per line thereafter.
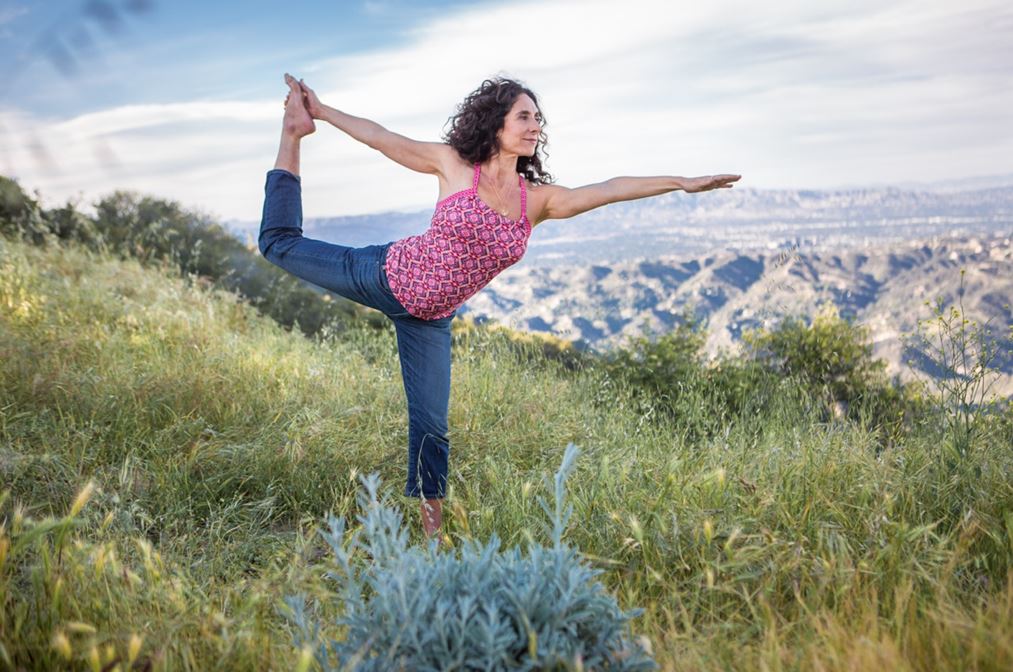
x,y
558,202
424,157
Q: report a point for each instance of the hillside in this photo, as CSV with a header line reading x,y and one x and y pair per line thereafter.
x,y
167,456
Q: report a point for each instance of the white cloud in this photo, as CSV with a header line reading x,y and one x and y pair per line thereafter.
x,y
793,94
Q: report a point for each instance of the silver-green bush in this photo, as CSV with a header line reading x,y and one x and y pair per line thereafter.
x,y
420,609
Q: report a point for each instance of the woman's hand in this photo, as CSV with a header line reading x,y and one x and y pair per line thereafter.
x,y
694,184
313,104
309,101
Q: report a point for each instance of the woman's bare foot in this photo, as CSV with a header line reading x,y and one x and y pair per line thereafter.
x,y
432,517
297,122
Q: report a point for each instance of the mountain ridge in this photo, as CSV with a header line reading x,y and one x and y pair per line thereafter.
x,y
883,287
741,219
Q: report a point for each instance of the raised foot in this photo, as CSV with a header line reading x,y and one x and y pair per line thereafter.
x,y
297,121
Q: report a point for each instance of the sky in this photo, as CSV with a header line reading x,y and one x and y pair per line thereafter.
x,y
183,99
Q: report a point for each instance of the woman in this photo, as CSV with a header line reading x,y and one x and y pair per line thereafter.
x,y
493,190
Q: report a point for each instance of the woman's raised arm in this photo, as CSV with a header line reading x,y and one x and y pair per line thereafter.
x,y
424,157
558,202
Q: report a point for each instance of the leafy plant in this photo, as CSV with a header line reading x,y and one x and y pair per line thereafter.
x,y
163,233
489,609
829,356
20,214
959,359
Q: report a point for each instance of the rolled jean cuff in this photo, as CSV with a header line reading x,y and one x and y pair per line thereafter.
x,y
281,172
415,491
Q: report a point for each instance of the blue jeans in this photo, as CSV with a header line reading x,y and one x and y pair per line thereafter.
x,y
357,273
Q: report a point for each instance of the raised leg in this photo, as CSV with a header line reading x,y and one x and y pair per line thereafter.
x,y
353,273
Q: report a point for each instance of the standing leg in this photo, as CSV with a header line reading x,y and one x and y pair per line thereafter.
x,y
424,350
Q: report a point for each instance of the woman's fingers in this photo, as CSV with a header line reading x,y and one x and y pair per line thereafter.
x,y
708,182
310,97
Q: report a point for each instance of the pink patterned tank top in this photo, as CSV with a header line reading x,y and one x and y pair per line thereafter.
x,y
465,247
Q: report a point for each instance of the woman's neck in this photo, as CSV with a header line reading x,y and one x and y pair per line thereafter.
x,y
501,168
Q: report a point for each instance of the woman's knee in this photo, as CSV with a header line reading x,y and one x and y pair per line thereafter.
x,y
274,244
430,424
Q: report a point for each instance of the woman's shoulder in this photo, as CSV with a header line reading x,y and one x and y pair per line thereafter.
x,y
541,190
455,168
456,174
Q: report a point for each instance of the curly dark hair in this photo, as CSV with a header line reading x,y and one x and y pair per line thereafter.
x,y
473,129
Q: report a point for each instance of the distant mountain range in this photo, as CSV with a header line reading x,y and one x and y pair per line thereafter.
x,y
744,257
882,286
735,219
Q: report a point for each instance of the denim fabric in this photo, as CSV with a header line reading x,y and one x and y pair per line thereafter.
x,y
357,273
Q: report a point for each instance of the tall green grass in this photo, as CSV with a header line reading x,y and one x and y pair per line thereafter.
x,y
214,442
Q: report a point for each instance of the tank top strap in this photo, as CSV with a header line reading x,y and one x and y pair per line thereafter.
x,y
478,173
524,197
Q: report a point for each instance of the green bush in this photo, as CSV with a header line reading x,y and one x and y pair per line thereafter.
x,y
829,355
671,375
20,215
666,375
157,231
831,359
69,224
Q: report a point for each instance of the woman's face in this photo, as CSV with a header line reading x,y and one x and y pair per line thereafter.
x,y
521,128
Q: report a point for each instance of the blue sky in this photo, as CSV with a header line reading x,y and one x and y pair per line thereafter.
x,y
183,99
159,51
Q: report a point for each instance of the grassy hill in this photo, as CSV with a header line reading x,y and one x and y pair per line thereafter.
x,y
166,454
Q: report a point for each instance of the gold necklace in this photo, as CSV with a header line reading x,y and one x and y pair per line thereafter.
x,y
503,209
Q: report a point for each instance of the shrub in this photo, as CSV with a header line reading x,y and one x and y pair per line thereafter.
x,y
830,357
486,610
161,232
670,374
20,215
532,348
71,225
665,365
665,374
